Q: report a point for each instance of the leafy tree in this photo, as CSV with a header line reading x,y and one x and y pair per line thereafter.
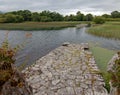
x,y
66,18
35,16
45,19
26,14
89,17
115,14
79,16
106,16
19,18
72,18
56,16
99,20
10,18
2,18
45,13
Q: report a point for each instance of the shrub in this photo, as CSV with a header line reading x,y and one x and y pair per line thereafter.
x,y
7,54
99,20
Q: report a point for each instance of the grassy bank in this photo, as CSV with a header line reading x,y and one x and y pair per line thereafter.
x,y
108,30
102,57
37,25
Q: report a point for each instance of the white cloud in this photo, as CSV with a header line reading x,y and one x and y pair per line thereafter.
x,y
62,6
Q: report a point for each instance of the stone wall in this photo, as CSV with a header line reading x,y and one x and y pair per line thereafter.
x,y
114,70
68,70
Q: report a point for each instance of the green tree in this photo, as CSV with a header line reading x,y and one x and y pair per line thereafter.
x,y
72,18
106,16
10,18
35,16
2,18
45,19
26,14
56,16
99,20
79,16
19,18
89,17
53,16
115,14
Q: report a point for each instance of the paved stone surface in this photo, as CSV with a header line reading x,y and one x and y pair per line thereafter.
x,y
67,70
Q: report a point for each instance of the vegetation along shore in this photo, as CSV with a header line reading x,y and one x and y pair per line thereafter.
x,y
37,25
108,30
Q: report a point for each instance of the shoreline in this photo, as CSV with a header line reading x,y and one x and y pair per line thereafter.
x,y
31,26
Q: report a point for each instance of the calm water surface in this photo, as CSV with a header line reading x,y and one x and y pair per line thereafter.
x,y
43,42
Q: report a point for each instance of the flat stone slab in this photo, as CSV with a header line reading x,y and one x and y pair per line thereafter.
x,y
67,70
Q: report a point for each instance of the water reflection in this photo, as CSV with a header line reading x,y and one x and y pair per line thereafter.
x,y
42,42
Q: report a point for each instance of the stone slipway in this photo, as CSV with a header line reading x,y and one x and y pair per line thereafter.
x,y
67,70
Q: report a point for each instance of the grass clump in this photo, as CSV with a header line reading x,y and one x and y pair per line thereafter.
x,y
108,30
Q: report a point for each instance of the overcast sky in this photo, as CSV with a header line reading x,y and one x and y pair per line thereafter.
x,y
95,7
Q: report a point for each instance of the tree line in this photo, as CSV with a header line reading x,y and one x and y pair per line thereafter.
x,y
48,16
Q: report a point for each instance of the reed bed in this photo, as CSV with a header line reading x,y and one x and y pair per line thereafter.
x,y
108,30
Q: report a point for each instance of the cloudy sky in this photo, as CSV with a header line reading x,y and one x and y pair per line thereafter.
x,y
95,7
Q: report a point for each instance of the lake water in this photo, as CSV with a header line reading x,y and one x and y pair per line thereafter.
x,y
42,42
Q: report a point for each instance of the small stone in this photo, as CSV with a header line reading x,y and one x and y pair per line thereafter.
x,y
49,92
54,82
35,69
49,74
78,90
62,91
83,85
71,83
70,91
70,76
65,44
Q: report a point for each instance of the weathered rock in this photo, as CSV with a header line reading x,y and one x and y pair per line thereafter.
x,y
114,70
67,70
85,46
70,91
54,82
65,44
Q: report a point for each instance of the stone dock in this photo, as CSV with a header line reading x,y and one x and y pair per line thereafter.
x,y
68,70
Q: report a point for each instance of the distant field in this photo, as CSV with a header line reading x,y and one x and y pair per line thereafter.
x,y
108,30
37,25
